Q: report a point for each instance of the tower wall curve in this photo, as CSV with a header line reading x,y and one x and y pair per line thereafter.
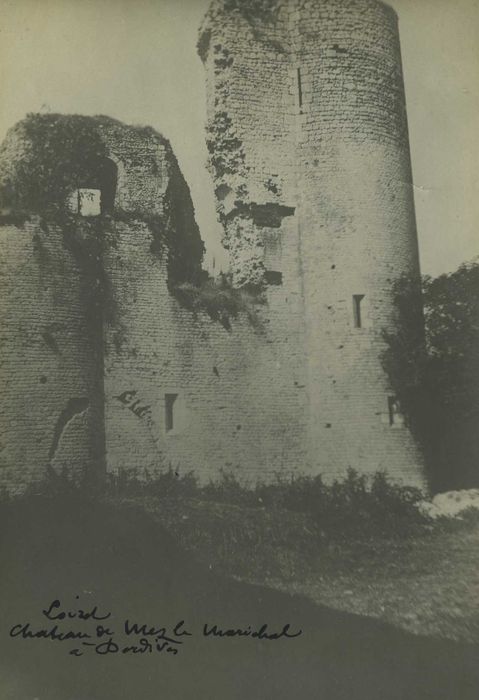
x,y
307,101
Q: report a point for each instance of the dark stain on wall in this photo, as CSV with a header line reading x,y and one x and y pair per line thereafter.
x,y
73,408
269,215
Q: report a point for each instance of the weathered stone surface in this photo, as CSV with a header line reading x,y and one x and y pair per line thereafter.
x,y
310,108
57,298
308,146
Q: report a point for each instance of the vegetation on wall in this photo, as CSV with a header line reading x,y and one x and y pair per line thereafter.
x,y
46,157
221,301
253,10
224,146
405,360
181,232
436,376
54,154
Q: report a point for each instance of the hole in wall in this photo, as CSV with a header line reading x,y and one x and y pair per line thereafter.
x,y
169,411
273,277
96,194
396,416
357,299
299,87
222,191
50,341
85,201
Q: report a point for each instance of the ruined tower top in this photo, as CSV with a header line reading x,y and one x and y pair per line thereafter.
x,y
299,94
61,166
308,140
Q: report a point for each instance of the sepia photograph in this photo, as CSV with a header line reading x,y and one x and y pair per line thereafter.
x,y
239,350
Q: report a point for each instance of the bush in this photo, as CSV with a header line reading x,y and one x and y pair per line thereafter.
x,y
376,507
432,362
220,300
357,506
159,484
229,490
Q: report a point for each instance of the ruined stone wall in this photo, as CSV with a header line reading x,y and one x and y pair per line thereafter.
x,y
240,403
56,296
91,321
307,136
309,96
51,413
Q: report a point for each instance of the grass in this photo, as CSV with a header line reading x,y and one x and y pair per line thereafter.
x,y
85,552
425,582
359,545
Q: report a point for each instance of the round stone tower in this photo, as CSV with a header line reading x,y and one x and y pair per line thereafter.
x,y
308,141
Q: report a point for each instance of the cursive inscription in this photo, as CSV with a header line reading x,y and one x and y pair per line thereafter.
x,y
93,629
261,633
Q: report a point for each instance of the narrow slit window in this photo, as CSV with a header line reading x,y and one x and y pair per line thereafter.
x,y
395,414
273,277
169,411
357,299
300,87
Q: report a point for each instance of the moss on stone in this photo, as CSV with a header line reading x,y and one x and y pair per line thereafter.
x,y
221,301
45,157
52,154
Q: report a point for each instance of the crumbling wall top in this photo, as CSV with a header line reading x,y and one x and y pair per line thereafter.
x,y
259,13
62,166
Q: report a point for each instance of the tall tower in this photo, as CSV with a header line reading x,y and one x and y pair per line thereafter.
x,y
308,141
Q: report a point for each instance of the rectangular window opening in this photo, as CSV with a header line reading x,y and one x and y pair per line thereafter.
x,y
394,409
300,87
273,277
357,299
169,411
85,201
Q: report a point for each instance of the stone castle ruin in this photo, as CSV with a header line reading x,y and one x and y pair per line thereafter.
x,y
107,364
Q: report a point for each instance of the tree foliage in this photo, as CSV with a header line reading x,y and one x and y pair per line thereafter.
x,y
432,360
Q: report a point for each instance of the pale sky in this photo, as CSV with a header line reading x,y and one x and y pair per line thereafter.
x,y
136,60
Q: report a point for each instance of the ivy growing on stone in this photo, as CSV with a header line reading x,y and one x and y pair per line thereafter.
x,y
432,361
221,301
54,154
224,146
46,157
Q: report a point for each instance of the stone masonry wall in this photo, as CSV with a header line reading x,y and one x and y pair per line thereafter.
x,y
241,393
56,298
51,414
307,135
312,96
